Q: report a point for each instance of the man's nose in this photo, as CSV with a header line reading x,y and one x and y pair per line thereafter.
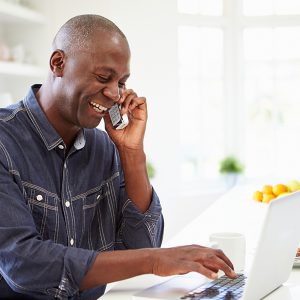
x,y
112,93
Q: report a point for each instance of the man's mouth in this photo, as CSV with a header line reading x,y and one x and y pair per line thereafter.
x,y
97,107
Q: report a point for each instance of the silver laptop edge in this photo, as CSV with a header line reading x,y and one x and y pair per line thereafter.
x,y
272,262
276,247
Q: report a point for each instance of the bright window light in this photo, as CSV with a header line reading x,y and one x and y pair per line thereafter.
x,y
271,7
272,98
203,7
240,89
200,53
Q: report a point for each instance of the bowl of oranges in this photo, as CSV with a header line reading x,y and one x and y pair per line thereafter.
x,y
271,192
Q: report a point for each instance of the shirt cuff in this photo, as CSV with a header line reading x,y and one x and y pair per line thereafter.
x,y
142,230
132,213
77,263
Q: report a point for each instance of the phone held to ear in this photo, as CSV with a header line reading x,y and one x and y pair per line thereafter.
x,y
118,121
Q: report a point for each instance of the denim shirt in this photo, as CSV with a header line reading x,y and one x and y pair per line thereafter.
x,y
59,209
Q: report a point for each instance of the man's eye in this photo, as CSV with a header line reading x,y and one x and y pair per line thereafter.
x,y
103,78
122,85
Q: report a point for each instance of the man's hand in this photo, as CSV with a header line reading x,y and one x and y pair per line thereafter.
x,y
113,266
129,142
132,136
192,258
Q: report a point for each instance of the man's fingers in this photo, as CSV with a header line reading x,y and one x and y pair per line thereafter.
x,y
125,102
190,266
214,262
129,101
137,102
137,109
207,272
194,258
221,255
125,94
215,259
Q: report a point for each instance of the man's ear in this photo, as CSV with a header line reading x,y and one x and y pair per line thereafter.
x,y
57,62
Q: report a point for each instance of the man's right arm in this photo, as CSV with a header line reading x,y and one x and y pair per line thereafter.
x,y
118,265
36,267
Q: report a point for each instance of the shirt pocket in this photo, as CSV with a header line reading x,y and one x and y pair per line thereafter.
x,y
43,206
99,223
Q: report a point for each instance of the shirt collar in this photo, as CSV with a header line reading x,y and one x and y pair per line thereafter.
x,y
80,140
44,128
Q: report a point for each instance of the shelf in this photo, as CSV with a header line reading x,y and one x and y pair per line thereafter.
x,y
18,69
13,13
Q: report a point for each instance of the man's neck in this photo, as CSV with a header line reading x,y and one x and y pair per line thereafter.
x,y
67,132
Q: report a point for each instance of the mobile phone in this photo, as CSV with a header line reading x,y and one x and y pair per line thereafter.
x,y
118,121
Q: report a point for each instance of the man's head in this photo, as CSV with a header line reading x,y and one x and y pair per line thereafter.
x,y
78,32
89,68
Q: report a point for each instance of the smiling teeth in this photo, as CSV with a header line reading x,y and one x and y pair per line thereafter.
x,y
97,107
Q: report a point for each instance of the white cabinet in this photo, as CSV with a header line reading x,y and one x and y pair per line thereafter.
x,y
10,12
20,69
21,32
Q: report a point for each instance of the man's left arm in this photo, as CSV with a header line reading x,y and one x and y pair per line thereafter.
x,y
142,207
137,183
130,144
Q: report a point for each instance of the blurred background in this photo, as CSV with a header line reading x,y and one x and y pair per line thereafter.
x,y
222,79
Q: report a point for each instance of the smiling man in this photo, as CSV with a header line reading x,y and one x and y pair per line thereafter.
x,y
77,208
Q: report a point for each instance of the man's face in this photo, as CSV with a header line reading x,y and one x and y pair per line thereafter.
x,y
93,81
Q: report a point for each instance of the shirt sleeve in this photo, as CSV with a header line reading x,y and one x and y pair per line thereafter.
x,y
28,264
141,230
136,229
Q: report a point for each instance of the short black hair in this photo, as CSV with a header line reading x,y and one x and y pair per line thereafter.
x,y
77,32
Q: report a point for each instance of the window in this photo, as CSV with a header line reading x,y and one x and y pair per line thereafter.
x,y
204,7
271,7
201,109
239,75
272,100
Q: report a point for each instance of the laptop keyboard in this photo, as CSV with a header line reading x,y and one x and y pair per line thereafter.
x,y
221,288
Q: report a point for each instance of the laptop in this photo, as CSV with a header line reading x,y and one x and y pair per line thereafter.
x,y
270,268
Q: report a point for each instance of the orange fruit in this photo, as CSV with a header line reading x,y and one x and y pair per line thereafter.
x,y
283,194
258,196
268,197
279,189
293,185
267,189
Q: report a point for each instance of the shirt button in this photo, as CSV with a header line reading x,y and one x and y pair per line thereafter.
x,y
67,204
65,165
39,197
71,242
61,146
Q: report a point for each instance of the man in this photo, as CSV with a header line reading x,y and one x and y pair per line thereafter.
x,y
77,208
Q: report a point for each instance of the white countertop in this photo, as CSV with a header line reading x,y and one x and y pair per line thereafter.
x,y
234,211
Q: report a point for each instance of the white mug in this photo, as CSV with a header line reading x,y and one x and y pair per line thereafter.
x,y
233,244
